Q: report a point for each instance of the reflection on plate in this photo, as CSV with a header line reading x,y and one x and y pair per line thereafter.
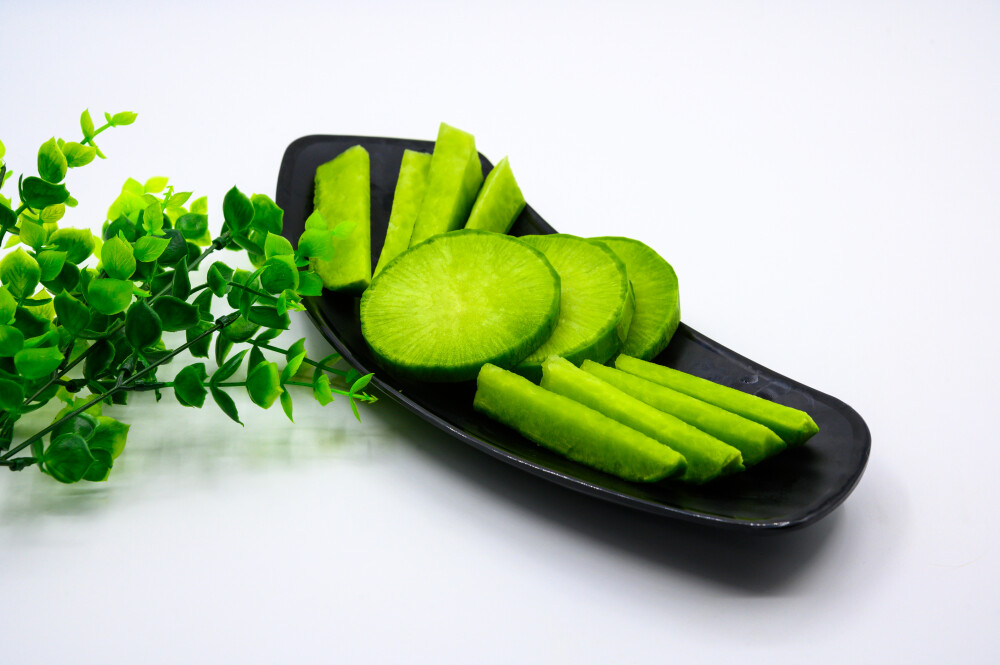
x,y
794,489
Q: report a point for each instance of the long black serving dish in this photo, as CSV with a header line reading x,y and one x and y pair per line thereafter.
x,y
794,489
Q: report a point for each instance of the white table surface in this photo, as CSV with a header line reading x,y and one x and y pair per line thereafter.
x,y
824,179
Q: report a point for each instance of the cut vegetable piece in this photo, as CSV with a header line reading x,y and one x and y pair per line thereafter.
x,y
343,194
443,309
792,425
753,440
452,184
410,188
706,456
571,429
499,201
657,300
595,302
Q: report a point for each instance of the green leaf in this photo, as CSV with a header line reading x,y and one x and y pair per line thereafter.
x,y
142,326
226,403
77,243
37,363
67,458
264,384
237,210
20,273
218,278
109,296
192,225
11,341
286,404
316,244
51,263
275,245
155,185
310,284
123,118
268,317
117,258
73,314
175,313
228,368
86,124
189,385
51,162
110,436
316,221
279,274
11,396
149,248
78,154
33,235
8,306
180,285
38,193
199,349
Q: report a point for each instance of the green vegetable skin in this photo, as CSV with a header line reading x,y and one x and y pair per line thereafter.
x,y
706,456
444,308
657,299
753,440
596,307
410,189
343,194
452,184
571,429
792,425
499,201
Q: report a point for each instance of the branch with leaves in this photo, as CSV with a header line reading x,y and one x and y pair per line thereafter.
x,y
90,336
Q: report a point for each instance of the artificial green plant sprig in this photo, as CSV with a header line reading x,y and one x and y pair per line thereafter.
x,y
91,336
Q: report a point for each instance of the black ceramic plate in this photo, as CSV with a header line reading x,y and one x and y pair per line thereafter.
x,y
794,489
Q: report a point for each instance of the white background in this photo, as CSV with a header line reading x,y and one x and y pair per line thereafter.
x,y
823,177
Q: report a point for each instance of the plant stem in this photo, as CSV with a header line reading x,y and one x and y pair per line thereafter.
x,y
121,384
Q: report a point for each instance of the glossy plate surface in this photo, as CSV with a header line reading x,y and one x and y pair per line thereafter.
x,y
794,489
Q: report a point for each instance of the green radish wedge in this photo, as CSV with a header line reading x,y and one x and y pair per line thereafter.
x,y
706,456
441,310
410,188
596,307
571,429
792,425
657,300
499,201
343,194
754,441
452,184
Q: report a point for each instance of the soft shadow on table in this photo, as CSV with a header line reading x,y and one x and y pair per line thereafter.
x,y
754,563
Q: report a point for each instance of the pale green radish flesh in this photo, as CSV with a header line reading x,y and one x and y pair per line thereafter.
x,y
595,302
657,300
452,184
706,456
792,425
410,188
343,194
444,308
572,429
499,201
754,441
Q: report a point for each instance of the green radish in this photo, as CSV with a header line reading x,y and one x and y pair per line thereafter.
x,y
410,188
792,425
452,184
343,194
571,429
753,440
657,300
596,307
441,310
706,456
499,201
